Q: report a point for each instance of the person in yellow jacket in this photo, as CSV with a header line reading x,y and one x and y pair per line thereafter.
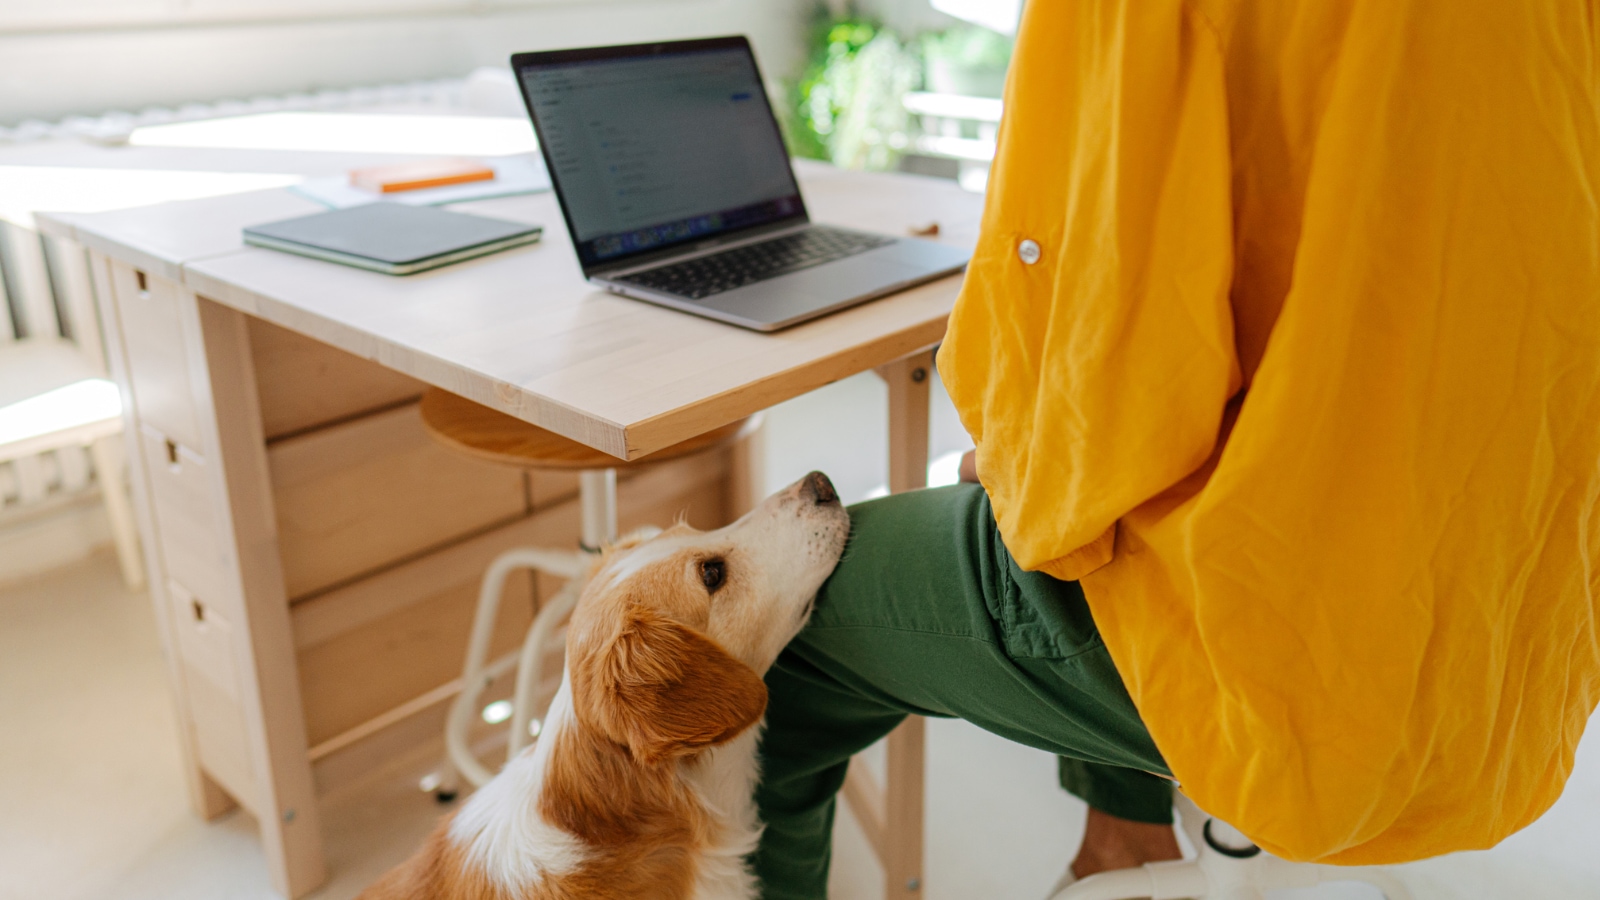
x,y
1281,354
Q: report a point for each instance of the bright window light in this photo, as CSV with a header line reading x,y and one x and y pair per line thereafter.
x,y
80,403
497,712
945,470
953,106
534,727
28,189
349,133
996,15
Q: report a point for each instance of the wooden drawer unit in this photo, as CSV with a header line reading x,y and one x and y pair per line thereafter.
x,y
151,312
352,676
372,645
363,495
207,644
306,384
181,494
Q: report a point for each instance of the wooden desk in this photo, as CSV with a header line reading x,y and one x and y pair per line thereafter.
x,y
255,453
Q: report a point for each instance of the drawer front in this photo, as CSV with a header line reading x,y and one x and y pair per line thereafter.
x,y
181,494
363,495
376,643
306,384
551,487
150,309
206,644
365,672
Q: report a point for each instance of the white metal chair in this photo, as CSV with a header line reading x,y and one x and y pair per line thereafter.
x,y
479,431
597,492
60,419
1228,866
54,407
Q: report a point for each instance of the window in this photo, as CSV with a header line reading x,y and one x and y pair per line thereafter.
x,y
66,15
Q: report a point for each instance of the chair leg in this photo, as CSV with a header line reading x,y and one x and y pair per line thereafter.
x,y
476,674
108,459
597,492
447,783
530,662
1191,818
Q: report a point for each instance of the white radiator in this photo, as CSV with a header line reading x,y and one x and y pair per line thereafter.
x,y
44,286
45,291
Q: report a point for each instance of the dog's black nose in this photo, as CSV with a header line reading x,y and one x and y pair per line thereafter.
x,y
819,489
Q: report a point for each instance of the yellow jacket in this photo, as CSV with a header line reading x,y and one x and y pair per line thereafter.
x,y
1303,382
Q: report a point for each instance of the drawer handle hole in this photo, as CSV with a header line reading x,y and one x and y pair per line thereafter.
x,y
199,611
144,282
172,453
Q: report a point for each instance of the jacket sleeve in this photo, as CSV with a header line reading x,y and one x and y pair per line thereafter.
x,y
1096,377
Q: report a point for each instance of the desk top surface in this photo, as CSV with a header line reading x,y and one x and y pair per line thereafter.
x,y
522,332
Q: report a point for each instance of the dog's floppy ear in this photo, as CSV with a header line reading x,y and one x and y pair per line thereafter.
x,y
665,690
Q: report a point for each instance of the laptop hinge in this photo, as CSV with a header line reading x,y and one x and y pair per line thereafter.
x,y
703,248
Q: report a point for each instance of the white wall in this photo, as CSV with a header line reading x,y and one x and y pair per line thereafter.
x,y
908,16
53,71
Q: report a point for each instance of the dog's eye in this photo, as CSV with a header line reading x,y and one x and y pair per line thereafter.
x,y
713,572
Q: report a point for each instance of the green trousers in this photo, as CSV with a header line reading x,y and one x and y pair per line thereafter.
x,y
928,614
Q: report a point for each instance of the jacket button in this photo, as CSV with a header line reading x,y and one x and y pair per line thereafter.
x,y
1028,252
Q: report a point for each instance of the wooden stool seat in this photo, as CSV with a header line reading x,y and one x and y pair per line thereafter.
x,y
489,434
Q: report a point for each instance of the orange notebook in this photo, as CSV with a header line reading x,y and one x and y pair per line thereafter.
x,y
427,173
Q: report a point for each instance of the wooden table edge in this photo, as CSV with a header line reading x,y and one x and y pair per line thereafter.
x,y
649,435
511,399
626,442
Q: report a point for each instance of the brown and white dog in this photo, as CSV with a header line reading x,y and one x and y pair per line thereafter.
x,y
641,783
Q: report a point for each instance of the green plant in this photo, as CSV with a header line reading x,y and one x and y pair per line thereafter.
x,y
966,59
847,106
969,46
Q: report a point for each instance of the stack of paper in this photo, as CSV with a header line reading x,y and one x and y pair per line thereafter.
x,y
520,174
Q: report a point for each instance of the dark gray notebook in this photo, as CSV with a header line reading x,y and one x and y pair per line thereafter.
x,y
392,237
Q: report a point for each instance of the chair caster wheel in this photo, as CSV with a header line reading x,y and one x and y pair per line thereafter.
x,y
444,797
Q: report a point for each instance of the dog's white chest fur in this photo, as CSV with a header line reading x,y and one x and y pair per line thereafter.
x,y
500,826
724,778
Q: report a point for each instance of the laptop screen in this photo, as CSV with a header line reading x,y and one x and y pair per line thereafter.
x,y
658,145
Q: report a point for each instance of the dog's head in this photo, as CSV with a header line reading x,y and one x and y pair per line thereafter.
x,y
670,639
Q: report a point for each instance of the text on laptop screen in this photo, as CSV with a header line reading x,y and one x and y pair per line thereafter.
x,y
651,151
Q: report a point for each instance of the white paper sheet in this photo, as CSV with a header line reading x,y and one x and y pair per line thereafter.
x,y
521,174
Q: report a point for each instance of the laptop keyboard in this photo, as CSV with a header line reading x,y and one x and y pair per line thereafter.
x,y
697,279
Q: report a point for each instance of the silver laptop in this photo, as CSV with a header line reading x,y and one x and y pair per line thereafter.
x,y
677,189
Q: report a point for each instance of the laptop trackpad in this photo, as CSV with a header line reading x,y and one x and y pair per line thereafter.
x,y
817,289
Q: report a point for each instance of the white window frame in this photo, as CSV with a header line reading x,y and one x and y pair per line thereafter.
x,y
32,16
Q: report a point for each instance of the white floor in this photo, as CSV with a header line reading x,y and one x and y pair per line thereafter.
x,y
91,806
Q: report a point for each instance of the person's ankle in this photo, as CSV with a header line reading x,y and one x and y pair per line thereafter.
x,y
1113,843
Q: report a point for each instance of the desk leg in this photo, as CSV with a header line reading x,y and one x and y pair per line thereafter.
x,y
899,842
747,473
286,804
